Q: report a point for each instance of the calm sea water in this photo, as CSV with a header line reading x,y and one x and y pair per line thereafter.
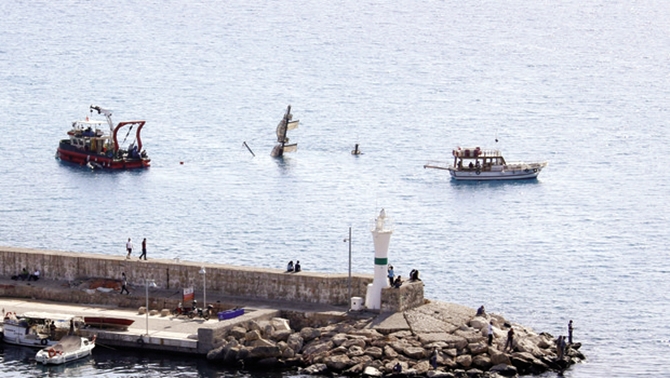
x,y
584,85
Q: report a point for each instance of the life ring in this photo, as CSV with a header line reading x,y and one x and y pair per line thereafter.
x,y
52,352
534,169
44,341
526,170
478,171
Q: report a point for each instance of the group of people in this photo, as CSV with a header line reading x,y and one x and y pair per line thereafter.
x,y
561,342
25,276
396,281
293,268
129,248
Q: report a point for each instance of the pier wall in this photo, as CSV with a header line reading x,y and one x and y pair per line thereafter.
x,y
226,280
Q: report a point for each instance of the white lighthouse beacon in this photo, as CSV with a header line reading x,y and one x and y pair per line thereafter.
x,y
381,236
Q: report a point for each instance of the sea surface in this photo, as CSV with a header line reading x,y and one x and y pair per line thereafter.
x,y
584,85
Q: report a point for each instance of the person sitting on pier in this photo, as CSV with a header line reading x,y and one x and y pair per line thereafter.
x,y
297,266
24,274
289,267
35,276
414,275
398,282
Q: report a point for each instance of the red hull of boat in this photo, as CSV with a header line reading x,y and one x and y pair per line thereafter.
x,y
107,322
105,162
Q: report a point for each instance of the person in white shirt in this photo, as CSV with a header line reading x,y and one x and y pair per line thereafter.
x,y
129,248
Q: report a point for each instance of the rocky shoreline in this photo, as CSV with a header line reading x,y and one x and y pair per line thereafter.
x,y
434,340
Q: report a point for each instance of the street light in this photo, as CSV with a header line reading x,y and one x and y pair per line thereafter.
x,y
204,287
147,284
349,240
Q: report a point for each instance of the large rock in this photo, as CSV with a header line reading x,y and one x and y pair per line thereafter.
x,y
281,335
280,324
371,372
237,332
464,360
481,361
318,347
422,367
374,352
452,341
339,339
355,351
479,323
252,335
498,357
316,369
504,370
308,334
415,352
261,352
390,352
351,342
338,363
295,342
478,348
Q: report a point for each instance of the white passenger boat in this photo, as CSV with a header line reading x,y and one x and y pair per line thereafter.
x,y
69,348
478,164
35,329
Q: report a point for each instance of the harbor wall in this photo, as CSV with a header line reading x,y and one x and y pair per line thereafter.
x,y
222,280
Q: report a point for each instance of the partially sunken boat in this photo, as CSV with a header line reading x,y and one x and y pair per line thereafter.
x,y
284,126
90,144
474,163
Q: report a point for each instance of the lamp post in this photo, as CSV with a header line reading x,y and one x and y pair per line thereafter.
x,y
204,287
349,240
148,283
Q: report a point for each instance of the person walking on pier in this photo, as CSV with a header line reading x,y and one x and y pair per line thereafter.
x,y
144,249
129,248
124,284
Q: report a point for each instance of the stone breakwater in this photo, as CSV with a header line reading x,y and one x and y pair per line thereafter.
x,y
450,336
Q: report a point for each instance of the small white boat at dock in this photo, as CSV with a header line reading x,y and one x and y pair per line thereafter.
x,y
476,164
69,348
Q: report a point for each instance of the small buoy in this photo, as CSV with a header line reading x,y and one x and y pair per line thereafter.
x,y
181,162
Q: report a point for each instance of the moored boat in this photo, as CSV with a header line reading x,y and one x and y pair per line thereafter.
x,y
107,322
479,164
69,348
35,329
89,144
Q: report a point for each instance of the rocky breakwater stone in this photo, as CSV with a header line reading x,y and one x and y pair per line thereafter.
x,y
355,347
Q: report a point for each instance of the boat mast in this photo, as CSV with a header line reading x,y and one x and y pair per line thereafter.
x,y
108,115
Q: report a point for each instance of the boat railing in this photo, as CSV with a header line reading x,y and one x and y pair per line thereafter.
x,y
475,153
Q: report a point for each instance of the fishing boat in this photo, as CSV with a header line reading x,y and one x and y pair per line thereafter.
x,y
284,126
478,164
107,322
89,144
36,329
69,348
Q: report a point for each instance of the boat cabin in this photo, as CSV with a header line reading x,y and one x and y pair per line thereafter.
x,y
476,159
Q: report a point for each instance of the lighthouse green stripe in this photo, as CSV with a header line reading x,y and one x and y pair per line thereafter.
x,y
381,261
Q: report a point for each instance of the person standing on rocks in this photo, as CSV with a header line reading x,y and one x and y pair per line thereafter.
x,y
144,249
510,339
391,275
570,332
433,359
129,248
491,333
